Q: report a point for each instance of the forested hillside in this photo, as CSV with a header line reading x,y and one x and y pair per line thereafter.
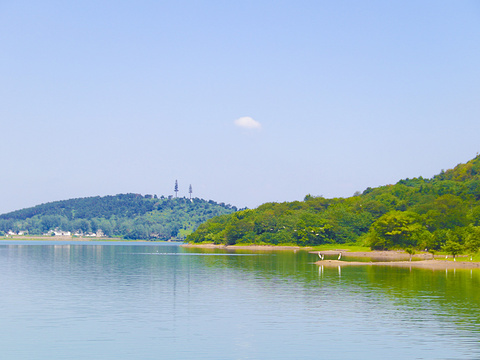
x,y
130,216
438,213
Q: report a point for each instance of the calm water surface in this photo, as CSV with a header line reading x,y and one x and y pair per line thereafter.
x,y
71,300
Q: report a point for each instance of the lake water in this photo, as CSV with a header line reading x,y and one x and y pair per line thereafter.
x,y
75,300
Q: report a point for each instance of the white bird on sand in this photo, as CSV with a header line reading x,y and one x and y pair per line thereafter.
x,y
339,256
320,256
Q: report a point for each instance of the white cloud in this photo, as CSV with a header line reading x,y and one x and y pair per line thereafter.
x,y
247,122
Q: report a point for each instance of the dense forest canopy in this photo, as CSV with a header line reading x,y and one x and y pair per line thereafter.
x,y
130,216
438,213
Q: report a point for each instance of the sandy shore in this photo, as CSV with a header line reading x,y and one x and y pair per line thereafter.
x,y
396,258
245,247
390,255
425,264
378,258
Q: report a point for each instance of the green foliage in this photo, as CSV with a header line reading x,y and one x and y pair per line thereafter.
x,y
452,247
410,251
302,223
130,216
396,229
472,239
411,214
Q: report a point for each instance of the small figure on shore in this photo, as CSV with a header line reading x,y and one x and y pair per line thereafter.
x,y
339,256
321,256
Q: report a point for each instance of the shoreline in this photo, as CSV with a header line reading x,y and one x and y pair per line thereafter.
x,y
66,238
395,258
377,255
422,264
246,247
380,258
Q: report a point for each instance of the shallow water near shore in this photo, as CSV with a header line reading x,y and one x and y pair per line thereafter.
x,y
78,300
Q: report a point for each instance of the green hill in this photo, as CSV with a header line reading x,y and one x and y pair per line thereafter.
x,y
421,213
130,216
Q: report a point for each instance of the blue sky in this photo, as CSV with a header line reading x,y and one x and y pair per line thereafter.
x,y
107,97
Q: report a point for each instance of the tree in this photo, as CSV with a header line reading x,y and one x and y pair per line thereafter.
x,y
49,222
176,188
395,229
472,239
452,247
82,225
410,251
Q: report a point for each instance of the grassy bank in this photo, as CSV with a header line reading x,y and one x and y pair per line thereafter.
x,y
351,248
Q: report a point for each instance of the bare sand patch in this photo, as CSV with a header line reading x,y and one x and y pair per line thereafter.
x,y
378,258
390,255
425,264
395,258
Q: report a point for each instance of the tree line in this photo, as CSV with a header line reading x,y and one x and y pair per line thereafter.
x,y
130,216
441,213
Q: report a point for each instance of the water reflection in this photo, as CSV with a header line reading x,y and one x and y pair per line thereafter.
x,y
132,301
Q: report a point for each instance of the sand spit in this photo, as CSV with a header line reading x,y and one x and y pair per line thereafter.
x,y
378,258
391,255
395,258
424,264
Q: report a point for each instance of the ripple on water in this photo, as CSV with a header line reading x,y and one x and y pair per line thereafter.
x,y
123,302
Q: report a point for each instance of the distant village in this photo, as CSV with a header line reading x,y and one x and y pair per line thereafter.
x,y
127,216
57,232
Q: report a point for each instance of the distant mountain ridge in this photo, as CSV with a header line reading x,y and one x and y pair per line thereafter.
x,y
132,216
